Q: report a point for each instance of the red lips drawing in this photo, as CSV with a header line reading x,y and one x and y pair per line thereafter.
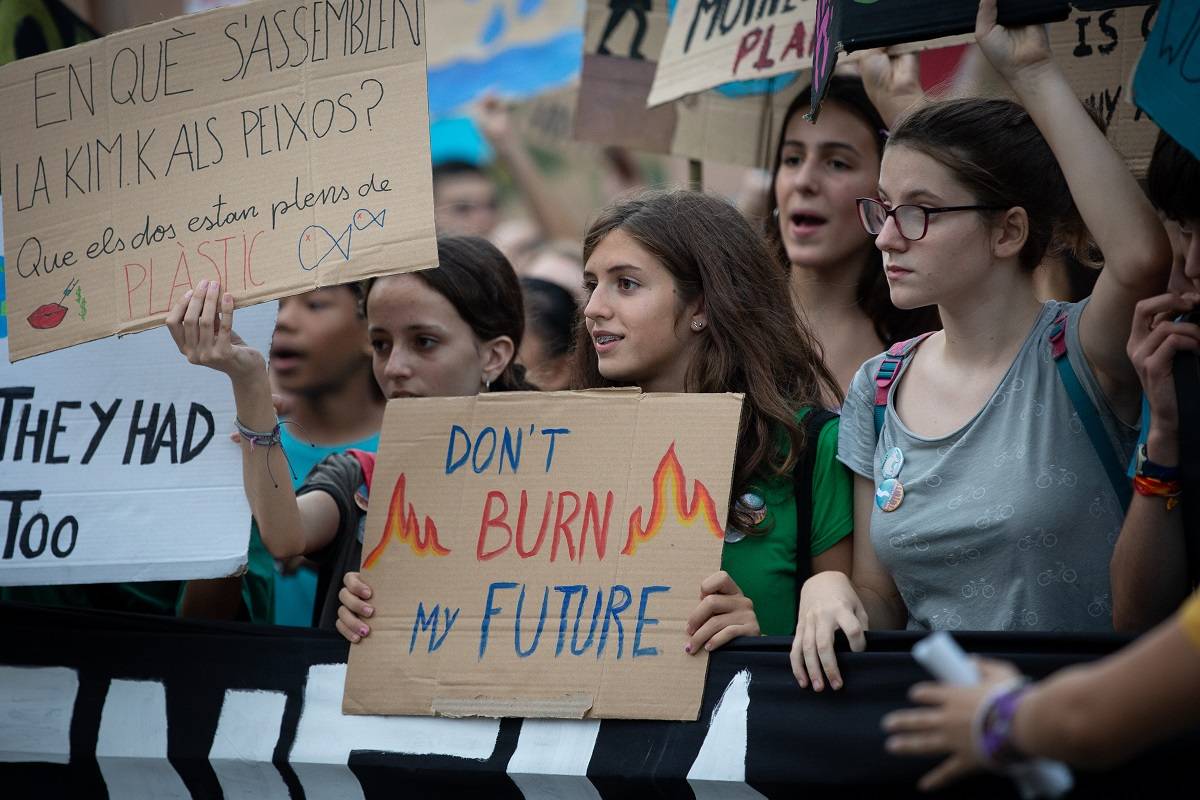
x,y
50,315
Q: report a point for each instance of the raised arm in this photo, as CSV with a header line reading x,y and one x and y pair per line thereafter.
x,y
1137,254
548,210
201,323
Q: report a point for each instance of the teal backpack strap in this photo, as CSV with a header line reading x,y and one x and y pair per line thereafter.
x,y
888,371
1087,412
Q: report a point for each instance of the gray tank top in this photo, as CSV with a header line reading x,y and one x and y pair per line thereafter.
x,y
1008,523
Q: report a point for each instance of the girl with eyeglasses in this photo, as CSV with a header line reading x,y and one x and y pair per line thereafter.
x,y
985,494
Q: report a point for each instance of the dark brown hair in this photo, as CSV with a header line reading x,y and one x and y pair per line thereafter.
x,y
481,285
995,150
755,341
891,324
1174,180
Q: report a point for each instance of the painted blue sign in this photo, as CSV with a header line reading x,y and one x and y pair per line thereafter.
x,y
1167,83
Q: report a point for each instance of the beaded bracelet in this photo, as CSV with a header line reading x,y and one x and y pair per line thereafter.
x,y
268,439
993,724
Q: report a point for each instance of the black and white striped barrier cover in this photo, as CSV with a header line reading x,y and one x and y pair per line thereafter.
x,y
131,707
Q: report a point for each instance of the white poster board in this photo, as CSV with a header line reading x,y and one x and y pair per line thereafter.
x,y
116,463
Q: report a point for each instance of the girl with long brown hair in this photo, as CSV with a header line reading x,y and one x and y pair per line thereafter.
x,y
683,296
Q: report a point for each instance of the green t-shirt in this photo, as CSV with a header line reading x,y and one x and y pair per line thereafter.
x,y
764,564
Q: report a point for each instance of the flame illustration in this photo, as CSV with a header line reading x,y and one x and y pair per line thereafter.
x,y
670,474
406,527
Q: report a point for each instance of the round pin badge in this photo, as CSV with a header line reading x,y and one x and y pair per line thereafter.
x,y
753,505
889,495
893,462
733,535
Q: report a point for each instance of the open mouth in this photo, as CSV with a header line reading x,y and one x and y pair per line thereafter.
x,y
605,341
805,223
284,358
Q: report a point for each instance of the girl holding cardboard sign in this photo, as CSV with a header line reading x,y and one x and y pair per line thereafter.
x,y
450,331
979,453
683,296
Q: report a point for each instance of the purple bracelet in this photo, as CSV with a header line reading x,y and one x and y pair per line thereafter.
x,y
268,439
995,732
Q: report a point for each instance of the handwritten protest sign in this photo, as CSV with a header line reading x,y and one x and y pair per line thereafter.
x,y
713,42
1167,85
116,465
538,555
275,146
735,124
1098,51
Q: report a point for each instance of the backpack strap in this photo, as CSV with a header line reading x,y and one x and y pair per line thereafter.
x,y
802,480
1087,411
888,371
367,462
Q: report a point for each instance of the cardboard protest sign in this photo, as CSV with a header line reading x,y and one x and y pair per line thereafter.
x,y
116,464
1167,85
513,48
277,147
538,555
733,124
713,42
1098,51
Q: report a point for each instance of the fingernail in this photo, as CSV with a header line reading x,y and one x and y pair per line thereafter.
x,y
368,610
187,295
353,639
836,685
203,285
687,648
364,630
366,594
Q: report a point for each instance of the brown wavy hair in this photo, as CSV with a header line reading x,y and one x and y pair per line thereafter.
x,y
872,295
755,342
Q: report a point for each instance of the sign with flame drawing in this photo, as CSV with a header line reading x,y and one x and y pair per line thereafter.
x,y
538,554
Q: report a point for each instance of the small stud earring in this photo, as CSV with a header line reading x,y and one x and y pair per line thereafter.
x,y
487,383
697,324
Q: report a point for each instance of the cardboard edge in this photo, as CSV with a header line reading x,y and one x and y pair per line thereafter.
x,y
567,706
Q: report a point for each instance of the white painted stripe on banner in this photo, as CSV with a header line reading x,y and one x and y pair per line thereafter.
x,y
247,733
719,770
552,758
132,744
36,704
326,736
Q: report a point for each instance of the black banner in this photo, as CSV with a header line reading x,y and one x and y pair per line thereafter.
x,y
795,743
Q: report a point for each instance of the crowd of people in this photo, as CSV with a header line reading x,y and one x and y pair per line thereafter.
x,y
934,436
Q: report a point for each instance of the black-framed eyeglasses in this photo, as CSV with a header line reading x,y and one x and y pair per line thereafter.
x,y
912,221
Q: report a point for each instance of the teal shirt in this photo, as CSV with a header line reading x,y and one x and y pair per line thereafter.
x,y
764,563
271,596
